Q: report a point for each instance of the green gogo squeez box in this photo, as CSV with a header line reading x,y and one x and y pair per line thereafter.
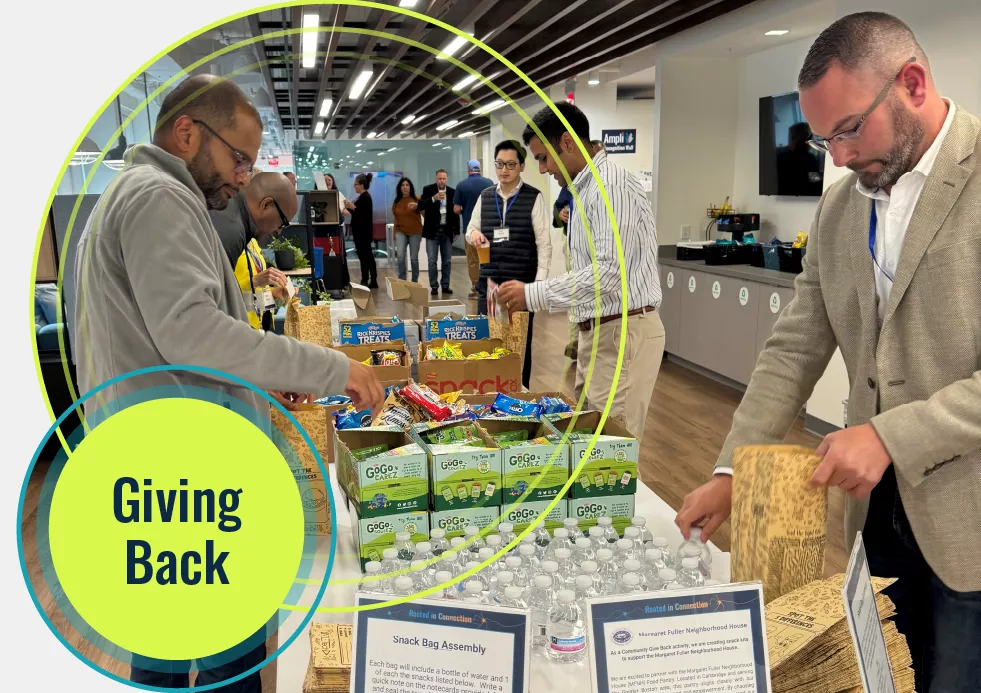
x,y
523,514
375,534
464,465
587,510
528,457
611,469
456,521
382,470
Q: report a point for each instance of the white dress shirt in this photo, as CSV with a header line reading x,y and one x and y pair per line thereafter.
x,y
540,222
575,291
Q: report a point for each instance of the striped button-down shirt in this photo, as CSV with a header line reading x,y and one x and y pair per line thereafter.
x,y
575,291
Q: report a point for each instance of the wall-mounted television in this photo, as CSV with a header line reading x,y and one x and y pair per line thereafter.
x,y
788,165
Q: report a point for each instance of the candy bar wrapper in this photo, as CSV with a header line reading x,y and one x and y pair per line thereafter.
x,y
397,412
427,400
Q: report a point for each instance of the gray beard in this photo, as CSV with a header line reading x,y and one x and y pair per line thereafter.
x,y
908,132
209,181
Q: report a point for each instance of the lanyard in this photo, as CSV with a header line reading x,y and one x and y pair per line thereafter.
x,y
507,208
873,223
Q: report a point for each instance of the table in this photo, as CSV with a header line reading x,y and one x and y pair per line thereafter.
x,y
305,272
546,676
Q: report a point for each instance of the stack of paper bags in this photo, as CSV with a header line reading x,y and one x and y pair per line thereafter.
x,y
330,659
811,648
778,520
512,331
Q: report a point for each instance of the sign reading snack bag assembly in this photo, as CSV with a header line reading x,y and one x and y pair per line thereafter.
x,y
686,640
620,141
865,624
431,646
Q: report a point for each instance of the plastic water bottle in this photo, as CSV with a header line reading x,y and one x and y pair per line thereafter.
x,y
559,541
478,576
571,525
551,570
583,551
667,576
449,591
391,565
597,537
404,546
542,538
567,569
632,565
530,565
585,589
370,582
502,581
437,539
629,583
540,598
512,564
477,543
489,571
405,586
626,550
608,570
662,544
473,593
645,534
655,559
704,554
649,574
514,597
424,552
423,576
506,530
591,569
609,531
633,534
458,552
495,544
566,629
690,575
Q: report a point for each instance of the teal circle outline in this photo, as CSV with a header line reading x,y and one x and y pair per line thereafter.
x,y
23,493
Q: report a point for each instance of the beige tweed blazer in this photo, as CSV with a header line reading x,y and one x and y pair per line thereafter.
x,y
918,378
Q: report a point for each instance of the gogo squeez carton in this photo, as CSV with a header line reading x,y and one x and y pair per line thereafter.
x,y
375,534
587,510
536,459
382,470
461,475
455,521
611,469
526,513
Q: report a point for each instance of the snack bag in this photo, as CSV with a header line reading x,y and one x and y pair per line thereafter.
x,y
350,417
553,405
514,407
396,412
384,357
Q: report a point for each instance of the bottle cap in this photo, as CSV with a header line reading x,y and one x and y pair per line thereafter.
x,y
390,554
424,547
604,521
403,583
588,567
505,528
472,564
474,587
456,541
561,533
689,563
667,575
563,554
530,539
417,565
625,544
527,550
570,522
566,596
443,576
660,542
543,581
485,553
505,577
631,532
372,567
692,551
470,531
402,536
513,592
631,565
550,566
512,562
631,579
437,533
695,533
583,543
604,555
638,521
584,581
493,540
653,555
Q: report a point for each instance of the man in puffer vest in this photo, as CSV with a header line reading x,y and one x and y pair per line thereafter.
x,y
513,218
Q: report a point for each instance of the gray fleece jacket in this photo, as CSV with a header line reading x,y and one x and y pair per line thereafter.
x,y
155,287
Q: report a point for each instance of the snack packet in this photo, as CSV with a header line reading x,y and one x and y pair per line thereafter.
x,y
350,417
506,438
552,405
365,453
385,357
512,406
478,355
333,399
424,398
449,435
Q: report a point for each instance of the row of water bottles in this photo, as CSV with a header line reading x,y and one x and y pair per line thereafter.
x,y
553,576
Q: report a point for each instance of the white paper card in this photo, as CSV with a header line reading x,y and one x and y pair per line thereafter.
x,y
865,624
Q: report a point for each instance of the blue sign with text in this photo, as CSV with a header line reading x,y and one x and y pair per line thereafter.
x,y
620,141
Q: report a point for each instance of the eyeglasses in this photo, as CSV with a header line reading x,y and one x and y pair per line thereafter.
x,y
243,164
282,217
824,144
509,165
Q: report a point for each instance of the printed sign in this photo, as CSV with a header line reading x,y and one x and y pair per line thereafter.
x,y
670,280
865,624
743,295
620,141
716,289
691,284
774,303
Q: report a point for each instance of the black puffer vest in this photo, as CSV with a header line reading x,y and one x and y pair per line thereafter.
x,y
516,258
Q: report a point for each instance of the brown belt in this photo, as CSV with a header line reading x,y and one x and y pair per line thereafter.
x,y
587,325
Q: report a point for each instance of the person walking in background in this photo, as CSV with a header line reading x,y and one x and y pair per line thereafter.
x,y
440,228
362,229
467,192
408,227
513,218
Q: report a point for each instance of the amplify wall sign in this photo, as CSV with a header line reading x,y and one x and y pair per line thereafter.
x,y
620,141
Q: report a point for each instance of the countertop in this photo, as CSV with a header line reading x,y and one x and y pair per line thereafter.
x,y
666,255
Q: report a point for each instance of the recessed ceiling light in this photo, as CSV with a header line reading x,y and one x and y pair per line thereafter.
x,y
492,106
777,32
447,125
456,44
465,82
359,85
408,119
310,38
325,107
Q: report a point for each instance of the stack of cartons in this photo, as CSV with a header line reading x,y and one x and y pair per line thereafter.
x,y
329,670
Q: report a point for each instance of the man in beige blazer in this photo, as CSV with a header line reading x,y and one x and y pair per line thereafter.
x,y
892,277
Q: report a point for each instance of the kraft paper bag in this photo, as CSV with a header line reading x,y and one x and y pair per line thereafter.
x,y
513,332
308,323
314,420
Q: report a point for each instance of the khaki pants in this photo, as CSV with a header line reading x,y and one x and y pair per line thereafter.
x,y
473,265
641,362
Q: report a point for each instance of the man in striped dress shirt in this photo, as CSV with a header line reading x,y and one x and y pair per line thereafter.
x,y
576,291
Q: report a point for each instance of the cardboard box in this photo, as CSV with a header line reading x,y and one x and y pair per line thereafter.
x,y
384,484
371,330
419,295
386,374
374,535
521,515
586,510
611,461
484,375
524,464
456,521
457,328
461,477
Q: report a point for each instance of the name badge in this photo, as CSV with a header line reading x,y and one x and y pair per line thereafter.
x,y
266,300
502,234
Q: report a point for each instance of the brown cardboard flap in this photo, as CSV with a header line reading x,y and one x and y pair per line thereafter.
x,y
402,290
364,302
484,375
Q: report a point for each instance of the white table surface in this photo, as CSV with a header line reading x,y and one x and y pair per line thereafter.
x,y
546,676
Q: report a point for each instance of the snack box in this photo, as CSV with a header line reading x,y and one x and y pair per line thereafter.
x,y
483,375
611,469
371,330
526,513
456,521
461,476
456,328
540,459
390,480
375,534
587,510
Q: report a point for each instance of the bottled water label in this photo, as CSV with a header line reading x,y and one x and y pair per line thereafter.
x,y
567,645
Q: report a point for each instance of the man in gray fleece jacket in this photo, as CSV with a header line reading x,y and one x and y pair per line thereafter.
x,y
154,285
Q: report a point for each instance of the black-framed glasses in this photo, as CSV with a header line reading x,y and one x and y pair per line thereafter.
x,y
823,144
243,164
509,165
282,217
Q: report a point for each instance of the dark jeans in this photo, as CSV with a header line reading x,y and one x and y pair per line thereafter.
x,y
366,256
482,310
442,245
177,675
942,627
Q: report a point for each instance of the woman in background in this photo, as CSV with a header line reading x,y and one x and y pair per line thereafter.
x,y
408,226
322,235
362,229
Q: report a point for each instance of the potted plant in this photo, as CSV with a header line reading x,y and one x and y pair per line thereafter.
x,y
288,254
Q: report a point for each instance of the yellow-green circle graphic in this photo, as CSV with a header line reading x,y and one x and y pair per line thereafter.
x,y
171,541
